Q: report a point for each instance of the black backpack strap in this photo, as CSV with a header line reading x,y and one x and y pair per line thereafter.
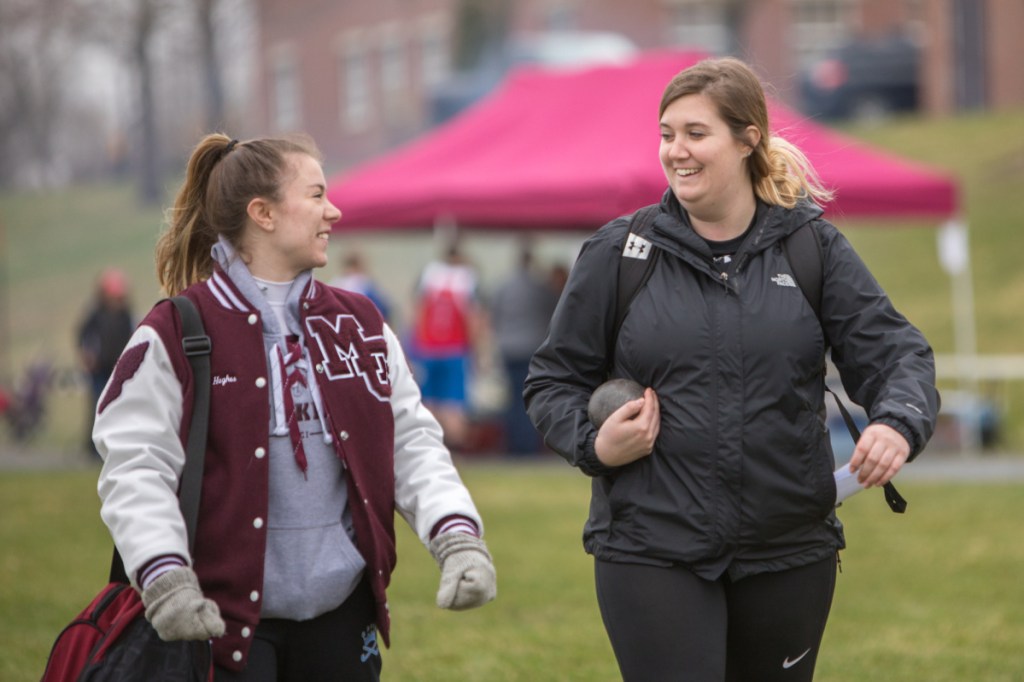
x,y
637,261
807,260
803,251
892,496
197,347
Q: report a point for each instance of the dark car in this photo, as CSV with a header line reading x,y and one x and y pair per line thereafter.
x,y
863,79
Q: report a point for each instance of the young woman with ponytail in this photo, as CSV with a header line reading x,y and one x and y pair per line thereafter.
x,y
712,521
317,436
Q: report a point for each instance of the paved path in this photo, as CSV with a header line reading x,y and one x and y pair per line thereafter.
x,y
973,468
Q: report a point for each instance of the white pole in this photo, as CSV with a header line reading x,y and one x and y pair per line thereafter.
x,y
955,255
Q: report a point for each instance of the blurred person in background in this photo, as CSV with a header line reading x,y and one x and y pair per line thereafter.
x,y
355,276
520,310
712,519
449,322
317,436
102,335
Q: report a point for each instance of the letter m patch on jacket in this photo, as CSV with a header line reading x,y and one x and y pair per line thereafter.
x,y
349,353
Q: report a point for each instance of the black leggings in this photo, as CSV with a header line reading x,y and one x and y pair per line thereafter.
x,y
668,624
338,645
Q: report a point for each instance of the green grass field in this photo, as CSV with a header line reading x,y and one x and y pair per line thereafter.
x,y
932,596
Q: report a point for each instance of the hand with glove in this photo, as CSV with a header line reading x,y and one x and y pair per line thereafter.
x,y
177,609
467,572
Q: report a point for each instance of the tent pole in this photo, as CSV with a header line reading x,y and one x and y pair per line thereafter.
x,y
954,250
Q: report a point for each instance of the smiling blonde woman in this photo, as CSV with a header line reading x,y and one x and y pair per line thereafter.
x,y
712,518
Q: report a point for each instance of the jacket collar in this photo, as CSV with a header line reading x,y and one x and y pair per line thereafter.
x,y
228,295
674,232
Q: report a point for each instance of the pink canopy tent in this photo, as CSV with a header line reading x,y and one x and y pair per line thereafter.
x,y
557,150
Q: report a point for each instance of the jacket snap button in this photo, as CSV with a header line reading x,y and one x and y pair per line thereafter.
x,y
246,632
257,522
254,596
261,382
343,435
260,453
237,656
253,319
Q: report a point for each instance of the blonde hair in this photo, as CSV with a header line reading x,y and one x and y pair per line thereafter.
x,y
780,173
221,178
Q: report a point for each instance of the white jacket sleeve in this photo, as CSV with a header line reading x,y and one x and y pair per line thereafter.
x,y
427,485
136,434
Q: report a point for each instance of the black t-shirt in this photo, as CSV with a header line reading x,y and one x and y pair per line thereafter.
x,y
722,252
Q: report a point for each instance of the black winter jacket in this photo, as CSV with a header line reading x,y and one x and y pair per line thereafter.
x,y
740,480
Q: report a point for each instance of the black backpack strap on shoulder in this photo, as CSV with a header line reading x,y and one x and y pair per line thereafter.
x,y
636,264
807,260
197,347
803,251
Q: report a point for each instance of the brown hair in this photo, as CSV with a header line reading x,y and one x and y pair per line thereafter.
x,y
779,171
222,177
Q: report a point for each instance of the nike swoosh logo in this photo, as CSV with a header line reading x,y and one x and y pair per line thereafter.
x,y
787,664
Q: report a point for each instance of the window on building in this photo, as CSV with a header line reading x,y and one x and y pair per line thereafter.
x,y
433,53
699,24
392,62
819,26
286,112
356,105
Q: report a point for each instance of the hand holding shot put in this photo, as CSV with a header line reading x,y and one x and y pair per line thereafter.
x,y
627,424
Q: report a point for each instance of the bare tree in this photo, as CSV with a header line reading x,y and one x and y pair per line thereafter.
x,y
210,65
160,78
35,42
149,145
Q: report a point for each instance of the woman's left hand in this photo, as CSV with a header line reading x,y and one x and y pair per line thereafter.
x,y
879,455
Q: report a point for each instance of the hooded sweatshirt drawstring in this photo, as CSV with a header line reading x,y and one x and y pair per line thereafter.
x,y
288,357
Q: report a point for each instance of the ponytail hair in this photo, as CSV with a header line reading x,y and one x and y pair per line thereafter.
x,y
221,178
779,172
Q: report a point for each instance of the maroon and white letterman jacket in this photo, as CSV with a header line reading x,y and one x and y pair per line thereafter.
x,y
390,444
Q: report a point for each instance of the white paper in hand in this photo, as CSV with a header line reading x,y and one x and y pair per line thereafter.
x,y
846,483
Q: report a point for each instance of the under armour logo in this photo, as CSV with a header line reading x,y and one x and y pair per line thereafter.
x,y
369,636
784,280
636,247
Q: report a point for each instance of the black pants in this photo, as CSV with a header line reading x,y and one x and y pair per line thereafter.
x,y
338,645
668,624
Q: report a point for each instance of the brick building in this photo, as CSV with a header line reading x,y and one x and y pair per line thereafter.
x,y
356,74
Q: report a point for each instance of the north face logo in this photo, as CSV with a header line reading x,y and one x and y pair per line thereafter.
x,y
784,280
349,353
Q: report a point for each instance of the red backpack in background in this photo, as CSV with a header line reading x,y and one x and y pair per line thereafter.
x,y
441,321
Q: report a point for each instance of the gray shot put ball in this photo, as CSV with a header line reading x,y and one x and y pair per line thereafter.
x,y
610,396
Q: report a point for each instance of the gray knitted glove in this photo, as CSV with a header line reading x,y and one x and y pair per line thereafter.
x,y
467,573
176,607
